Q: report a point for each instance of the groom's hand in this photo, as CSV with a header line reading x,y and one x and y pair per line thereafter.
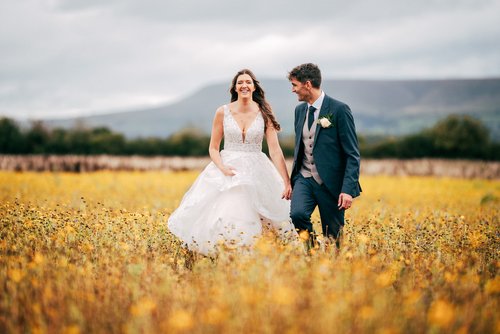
x,y
345,201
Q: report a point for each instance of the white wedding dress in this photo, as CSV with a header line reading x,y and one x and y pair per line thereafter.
x,y
234,209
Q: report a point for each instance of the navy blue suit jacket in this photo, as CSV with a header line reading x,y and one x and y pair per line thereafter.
x,y
335,151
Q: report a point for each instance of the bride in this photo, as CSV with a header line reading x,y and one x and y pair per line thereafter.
x,y
240,191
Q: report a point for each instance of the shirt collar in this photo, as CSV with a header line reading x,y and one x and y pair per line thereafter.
x,y
319,102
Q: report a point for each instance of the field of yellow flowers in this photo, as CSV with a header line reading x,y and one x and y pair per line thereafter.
x,y
91,253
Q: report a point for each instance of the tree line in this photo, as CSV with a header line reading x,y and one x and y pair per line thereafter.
x,y
455,137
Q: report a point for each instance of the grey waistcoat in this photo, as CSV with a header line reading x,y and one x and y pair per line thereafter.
x,y
308,168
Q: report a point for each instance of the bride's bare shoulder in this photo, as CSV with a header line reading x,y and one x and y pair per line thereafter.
x,y
219,113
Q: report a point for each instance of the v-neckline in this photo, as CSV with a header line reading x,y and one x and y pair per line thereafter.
x,y
243,136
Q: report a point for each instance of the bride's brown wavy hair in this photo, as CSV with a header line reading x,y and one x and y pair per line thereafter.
x,y
258,96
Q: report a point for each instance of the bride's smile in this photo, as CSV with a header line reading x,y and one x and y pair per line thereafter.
x,y
245,86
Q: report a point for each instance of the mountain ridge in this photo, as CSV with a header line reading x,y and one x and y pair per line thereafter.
x,y
386,107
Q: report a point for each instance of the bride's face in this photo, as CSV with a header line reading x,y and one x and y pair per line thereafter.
x,y
244,86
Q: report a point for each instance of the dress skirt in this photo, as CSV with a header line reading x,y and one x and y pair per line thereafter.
x,y
231,210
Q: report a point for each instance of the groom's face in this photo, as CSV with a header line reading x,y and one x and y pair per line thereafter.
x,y
301,89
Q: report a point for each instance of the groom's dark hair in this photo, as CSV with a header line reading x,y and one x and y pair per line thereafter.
x,y
306,72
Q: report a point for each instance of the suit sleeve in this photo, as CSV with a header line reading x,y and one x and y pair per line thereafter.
x,y
349,144
296,147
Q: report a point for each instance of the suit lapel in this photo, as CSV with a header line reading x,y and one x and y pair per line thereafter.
x,y
300,125
325,108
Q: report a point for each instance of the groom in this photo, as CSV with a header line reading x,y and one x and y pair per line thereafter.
x,y
326,161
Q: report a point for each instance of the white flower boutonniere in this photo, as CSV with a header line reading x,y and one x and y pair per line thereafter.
x,y
326,121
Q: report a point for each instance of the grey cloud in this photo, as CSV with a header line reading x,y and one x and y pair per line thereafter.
x,y
255,11
61,57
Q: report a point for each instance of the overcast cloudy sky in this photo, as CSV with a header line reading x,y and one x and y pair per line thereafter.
x,y
61,58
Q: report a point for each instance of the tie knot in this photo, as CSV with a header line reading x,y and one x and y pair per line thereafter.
x,y
312,109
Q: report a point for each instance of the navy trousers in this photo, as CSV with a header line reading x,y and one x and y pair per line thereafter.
x,y
306,195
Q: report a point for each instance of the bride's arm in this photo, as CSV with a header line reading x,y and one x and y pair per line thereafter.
x,y
278,159
215,140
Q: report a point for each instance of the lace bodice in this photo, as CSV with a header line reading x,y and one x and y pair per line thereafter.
x,y
233,136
